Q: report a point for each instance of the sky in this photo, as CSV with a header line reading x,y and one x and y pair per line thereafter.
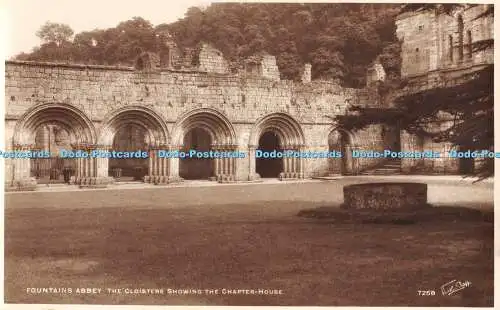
x,y
24,17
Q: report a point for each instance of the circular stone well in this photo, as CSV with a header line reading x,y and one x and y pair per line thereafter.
x,y
385,196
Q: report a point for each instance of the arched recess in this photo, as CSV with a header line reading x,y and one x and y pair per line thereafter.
x,y
283,131
343,141
149,120
147,132
74,121
203,130
70,128
284,125
215,123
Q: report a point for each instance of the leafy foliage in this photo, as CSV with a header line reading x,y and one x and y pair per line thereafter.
x,y
339,40
54,32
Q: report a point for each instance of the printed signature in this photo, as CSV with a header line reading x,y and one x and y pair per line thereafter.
x,y
454,286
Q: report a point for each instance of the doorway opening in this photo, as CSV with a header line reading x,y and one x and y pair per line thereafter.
x,y
53,139
269,167
129,138
196,168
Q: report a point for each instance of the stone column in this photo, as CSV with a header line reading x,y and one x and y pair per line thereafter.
x,y
21,171
173,164
292,166
252,174
225,165
300,168
216,165
158,167
102,164
286,165
165,169
92,170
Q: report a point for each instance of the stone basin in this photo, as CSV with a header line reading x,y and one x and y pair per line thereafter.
x,y
385,196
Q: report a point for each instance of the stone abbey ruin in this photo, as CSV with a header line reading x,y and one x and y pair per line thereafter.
x,y
166,103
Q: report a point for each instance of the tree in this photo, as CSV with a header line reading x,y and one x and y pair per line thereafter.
x,y
55,33
339,40
467,107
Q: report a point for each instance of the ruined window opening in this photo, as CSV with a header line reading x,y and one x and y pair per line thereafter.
x,y
416,50
469,44
420,28
460,37
450,47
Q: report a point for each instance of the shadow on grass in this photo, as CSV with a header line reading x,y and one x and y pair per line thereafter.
x,y
428,213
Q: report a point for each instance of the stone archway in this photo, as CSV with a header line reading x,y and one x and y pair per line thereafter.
x,y
54,139
134,129
288,132
129,137
53,128
336,166
199,140
342,141
269,167
212,132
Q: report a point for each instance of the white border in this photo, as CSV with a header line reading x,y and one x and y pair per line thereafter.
x,y
4,33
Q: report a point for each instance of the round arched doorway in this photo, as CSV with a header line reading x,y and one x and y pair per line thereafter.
x,y
199,140
129,138
52,128
337,142
341,141
205,130
54,139
273,134
136,131
269,166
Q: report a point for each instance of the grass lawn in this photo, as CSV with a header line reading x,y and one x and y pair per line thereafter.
x,y
240,237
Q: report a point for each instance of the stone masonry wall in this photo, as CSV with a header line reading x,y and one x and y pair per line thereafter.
x,y
436,52
212,60
270,68
426,44
442,165
417,33
100,91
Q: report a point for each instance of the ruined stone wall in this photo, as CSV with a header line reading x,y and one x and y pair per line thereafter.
x,y
437,52
442,165
433,40
99,92
474,29
306,75
270,68
212,60
417,32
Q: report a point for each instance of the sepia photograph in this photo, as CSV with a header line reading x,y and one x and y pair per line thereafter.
x,y
198,153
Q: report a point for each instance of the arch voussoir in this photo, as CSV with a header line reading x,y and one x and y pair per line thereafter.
x,y
68,118
291,138
156,137
222,136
